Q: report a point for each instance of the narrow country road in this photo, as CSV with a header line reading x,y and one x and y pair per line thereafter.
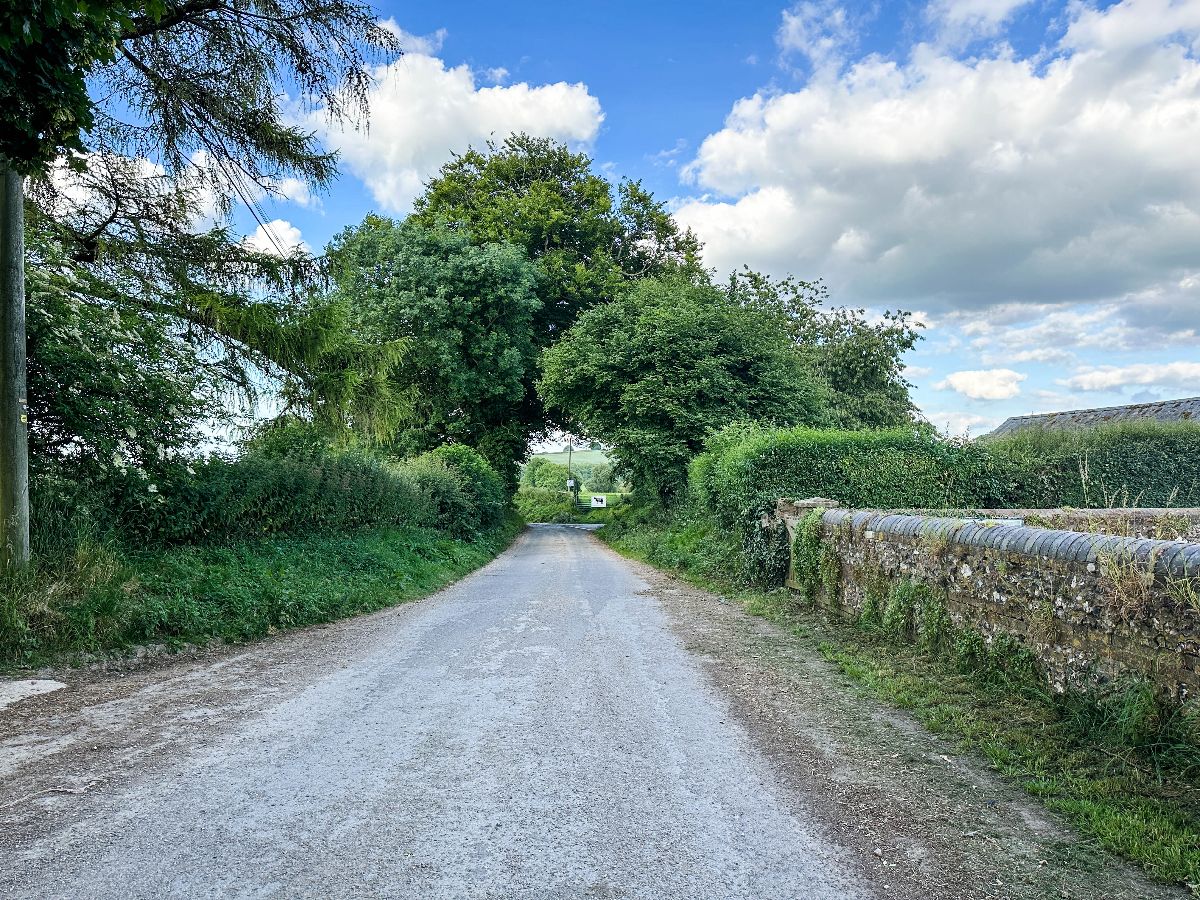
x,y
560,724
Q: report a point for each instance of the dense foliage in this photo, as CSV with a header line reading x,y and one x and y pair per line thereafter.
x,y
267,494
47,50
144,317
465,312
656,369
1132,464
536,194
541,473
859,361
745,469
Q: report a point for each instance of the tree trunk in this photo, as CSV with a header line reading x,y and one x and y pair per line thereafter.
x,y
14,428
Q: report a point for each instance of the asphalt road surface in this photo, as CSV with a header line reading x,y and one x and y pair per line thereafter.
x,y
542,729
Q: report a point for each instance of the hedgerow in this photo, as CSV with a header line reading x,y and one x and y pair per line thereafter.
x,y
1130,464
266,494
747,467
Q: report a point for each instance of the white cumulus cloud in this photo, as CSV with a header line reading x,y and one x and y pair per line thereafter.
x,y
984,384
279,237
965,20
818,29
969,184
1177,375
423,111
956,423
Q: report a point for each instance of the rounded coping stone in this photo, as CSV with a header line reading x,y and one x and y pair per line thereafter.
x,y
1171,561
835,517
860,519
1076,549
1104,545
1048,543
969,533
1168,557
939,527
1191,561
1086,551
1055,549
928,527
992,537
1009,537
1029,542
1146,551
1129,548
894,524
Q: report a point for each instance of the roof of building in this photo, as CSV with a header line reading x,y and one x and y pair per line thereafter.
x,y
1186,409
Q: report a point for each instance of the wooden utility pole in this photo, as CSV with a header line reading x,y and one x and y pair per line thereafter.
x,y
14,427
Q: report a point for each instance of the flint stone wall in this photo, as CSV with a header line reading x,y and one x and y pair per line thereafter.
x,y
1091,607
1161,523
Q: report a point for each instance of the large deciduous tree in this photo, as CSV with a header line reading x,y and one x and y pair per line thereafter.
x,y
860,360
654,371
538,194
466,312
588,240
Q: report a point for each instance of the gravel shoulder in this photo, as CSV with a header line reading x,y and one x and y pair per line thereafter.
x,y
925,820
562,723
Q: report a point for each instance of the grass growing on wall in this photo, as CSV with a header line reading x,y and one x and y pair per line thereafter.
x,y
1125,770
107,601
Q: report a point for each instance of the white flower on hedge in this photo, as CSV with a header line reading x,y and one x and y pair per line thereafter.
x,y
153,488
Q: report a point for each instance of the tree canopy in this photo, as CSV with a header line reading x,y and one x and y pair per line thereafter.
x,y
466,313
146,313
655,370
535,193
860,361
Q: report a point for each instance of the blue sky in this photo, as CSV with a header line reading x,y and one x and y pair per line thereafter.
x,y
1022,174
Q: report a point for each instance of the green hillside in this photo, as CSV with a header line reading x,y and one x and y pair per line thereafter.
x,y
578,458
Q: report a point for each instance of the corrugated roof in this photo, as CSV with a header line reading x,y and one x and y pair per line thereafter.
x,y
1187,409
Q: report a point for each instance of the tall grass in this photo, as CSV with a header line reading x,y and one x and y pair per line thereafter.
x,y
103,601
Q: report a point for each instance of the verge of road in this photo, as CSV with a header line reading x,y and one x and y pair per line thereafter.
x,y
931,823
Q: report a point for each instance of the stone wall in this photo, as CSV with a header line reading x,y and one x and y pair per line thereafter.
x,y
1090,607
1166,523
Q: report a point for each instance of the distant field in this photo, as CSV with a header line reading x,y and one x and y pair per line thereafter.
x,y
579,457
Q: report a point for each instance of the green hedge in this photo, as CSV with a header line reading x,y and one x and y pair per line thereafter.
x,y
487,497
1134,464
746,469
263,495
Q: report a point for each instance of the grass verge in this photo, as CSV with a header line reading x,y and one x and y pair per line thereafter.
x,y
102,601
1124,769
